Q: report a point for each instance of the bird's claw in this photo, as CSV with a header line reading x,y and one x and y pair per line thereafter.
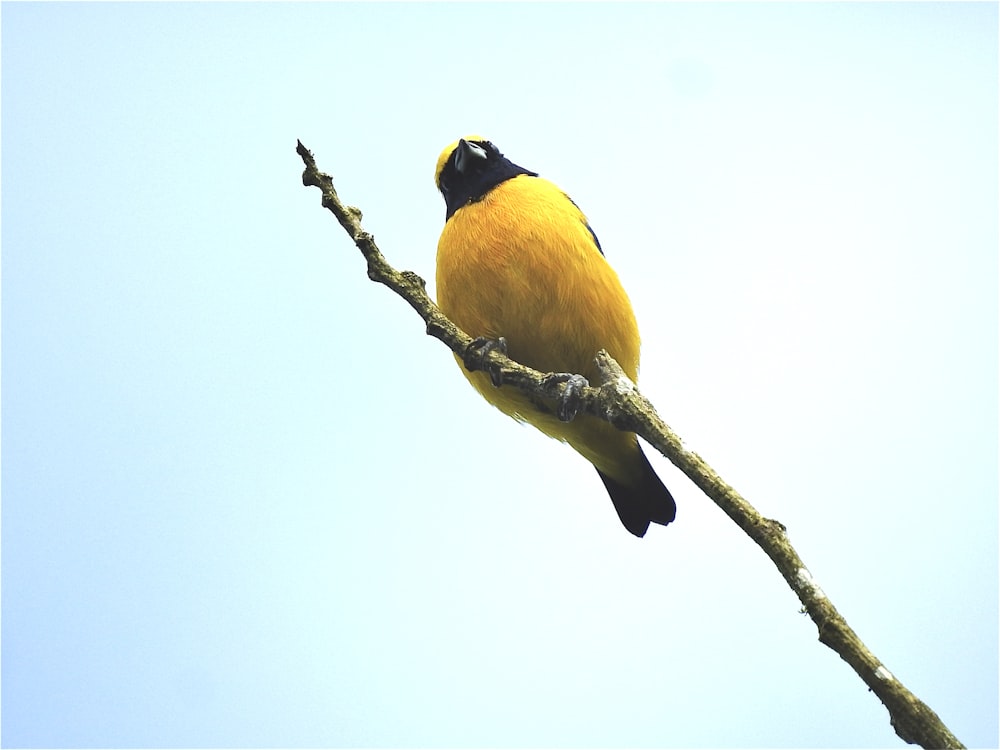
x,y
478,350
570,400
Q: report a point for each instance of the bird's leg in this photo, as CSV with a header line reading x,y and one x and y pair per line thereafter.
x,y
476,352
570,400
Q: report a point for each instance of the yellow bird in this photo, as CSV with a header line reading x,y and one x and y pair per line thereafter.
x,y
518,260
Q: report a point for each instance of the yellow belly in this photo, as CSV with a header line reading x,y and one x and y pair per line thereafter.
x,y
522,264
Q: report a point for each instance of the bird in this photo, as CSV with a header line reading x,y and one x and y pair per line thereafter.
x,y
518,264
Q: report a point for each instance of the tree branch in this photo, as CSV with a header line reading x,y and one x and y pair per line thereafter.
x,y
617,400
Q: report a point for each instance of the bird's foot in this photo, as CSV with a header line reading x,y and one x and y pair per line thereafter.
x,y
570,400
478,350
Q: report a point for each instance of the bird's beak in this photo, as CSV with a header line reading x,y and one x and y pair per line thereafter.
x,y
467,155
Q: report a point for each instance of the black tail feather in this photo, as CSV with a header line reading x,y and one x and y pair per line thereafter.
x,y
648,501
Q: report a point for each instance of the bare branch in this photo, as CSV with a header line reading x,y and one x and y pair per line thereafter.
x,y
617,400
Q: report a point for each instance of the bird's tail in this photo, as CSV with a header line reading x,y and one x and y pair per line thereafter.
x,y
643,500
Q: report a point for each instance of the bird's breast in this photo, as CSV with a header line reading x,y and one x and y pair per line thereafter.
x,y
522,263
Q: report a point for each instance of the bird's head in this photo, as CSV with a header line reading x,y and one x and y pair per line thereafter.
x,y
469,168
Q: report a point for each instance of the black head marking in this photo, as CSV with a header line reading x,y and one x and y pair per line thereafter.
x,y
472,170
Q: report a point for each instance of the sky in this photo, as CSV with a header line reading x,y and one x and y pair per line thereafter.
x,y
246,502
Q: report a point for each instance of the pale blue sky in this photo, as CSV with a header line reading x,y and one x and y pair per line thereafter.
x,y
246,502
